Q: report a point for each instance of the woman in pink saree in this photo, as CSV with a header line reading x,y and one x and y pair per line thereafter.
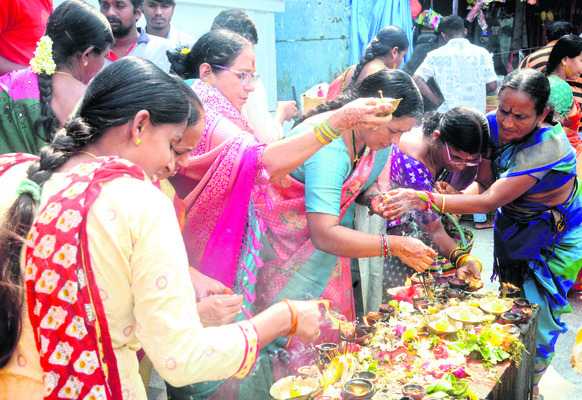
x,y
220,188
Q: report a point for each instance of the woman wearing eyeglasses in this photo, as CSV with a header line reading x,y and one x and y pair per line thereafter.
x,y
538,224
225,176
447,147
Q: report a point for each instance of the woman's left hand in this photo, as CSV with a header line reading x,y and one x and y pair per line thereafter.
x,y
399,201
469,270
378,207
219,309
445,188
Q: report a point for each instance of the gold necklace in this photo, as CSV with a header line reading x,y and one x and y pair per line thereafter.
x,y
89,154
65,73
358,155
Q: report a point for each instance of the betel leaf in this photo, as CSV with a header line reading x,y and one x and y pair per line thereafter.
x,y
449,384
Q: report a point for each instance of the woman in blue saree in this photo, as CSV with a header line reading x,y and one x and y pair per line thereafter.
x,y
537,195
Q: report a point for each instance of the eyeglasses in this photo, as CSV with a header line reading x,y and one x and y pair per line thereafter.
x,y
246,78
469,163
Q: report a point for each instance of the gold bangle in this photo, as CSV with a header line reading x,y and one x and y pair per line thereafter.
x,y
477,260
318,136
294,318
443,206
326,132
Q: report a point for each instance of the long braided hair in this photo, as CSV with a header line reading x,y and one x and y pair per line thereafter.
x,y
113,98
74,26
388,38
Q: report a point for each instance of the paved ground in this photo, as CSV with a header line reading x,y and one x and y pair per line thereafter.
x,y
559,383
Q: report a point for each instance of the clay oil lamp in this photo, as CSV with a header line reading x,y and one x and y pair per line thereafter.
x,y
510,318
457,283
327,351
420,303
369,375
525,312
357,388
387,309
455,293
522,303
307,371
373,317
510,290
362,332
415,392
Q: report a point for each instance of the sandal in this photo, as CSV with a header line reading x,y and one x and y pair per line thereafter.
x,y
537,397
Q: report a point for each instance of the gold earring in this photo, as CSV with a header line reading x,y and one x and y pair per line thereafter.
x,y
85,63
138,142
568,70
395,66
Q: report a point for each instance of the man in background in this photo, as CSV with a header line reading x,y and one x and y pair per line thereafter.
x,y
22,23
158,14
129,39
266,128
464,74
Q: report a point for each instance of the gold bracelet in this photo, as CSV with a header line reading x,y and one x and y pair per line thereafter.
x,y
466,257
443,206
319,137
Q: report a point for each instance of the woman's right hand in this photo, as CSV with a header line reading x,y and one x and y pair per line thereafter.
x,y
308,320
413,252
362,113
399,201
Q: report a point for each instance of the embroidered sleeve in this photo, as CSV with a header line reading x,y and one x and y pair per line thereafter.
x,y
163,302
252,348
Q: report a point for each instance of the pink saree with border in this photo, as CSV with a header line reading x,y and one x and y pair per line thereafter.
x,y
217,189
295,274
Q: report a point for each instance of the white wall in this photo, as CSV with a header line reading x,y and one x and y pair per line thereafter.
x,y
195,17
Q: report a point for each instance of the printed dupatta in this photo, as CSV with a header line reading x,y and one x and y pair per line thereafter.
x,y
64,306
288,233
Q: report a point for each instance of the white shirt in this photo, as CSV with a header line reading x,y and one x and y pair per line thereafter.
x,y
256,112
180,39
462,71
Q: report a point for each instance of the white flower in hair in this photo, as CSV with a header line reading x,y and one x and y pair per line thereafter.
x,y
43,57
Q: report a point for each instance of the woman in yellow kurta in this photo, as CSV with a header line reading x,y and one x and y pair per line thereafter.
x,y
104,266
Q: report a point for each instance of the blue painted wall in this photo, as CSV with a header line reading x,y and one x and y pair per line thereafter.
x,y
312,42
